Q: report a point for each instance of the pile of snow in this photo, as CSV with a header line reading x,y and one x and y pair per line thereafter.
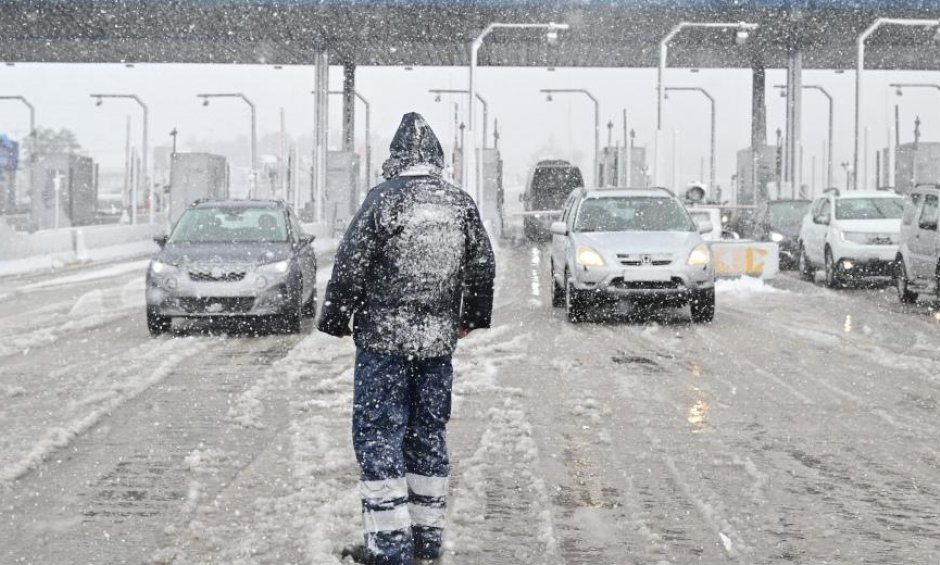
x,y
744,286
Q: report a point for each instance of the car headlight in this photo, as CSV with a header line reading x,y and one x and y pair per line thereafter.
x,y
701,255
776,237
587,257
160,268
278,268
854,237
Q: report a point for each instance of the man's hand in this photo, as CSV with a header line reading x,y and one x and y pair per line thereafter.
x,y
463,332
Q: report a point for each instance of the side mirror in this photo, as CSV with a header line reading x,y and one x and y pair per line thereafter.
x,y
305,240
705,226
161,240
928,225
824,220
559,228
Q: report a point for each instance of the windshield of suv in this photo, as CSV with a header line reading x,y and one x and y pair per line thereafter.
x,y
231,225
552,185
632,214
780,214
869,208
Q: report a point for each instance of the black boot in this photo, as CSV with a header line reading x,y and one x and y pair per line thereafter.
x,y
358,553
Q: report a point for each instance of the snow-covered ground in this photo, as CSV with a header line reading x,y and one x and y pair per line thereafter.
x,y
800,427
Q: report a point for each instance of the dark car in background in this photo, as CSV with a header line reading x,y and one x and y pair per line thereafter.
x,y
549,186
233,259
779,221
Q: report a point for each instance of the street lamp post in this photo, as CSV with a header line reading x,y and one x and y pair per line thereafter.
x,y
711,100
830,163
597,121
860,66
742,31
253,157
368,135
552,35
144,148
439,91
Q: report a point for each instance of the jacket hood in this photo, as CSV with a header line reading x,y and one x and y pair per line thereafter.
x,y
414,144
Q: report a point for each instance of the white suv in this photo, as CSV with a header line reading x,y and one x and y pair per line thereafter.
x,y
636,244
851,236
918,258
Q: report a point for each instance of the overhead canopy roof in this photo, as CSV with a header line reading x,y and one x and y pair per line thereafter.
x,y
603,34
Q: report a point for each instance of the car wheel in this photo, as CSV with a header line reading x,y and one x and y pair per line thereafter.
x,y
558,291
832,277
310,306
702,305
292,318
156,324
901,282
575,306
807,272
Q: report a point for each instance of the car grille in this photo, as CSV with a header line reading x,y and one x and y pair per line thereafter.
x,y
620,283
217,274
222,305
644,259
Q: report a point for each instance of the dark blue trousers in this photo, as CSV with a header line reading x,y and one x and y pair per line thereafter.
x,y
401,407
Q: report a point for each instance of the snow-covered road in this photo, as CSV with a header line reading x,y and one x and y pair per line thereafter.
x,y
801,427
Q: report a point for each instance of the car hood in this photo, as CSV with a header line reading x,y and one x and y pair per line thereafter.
x,y
788,230
870,226
252,253
638,241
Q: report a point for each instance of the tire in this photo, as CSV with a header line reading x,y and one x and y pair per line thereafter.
x,y
901,282
575,304
832,278
558,291
291,320
158,325
807,271
310,306
702,305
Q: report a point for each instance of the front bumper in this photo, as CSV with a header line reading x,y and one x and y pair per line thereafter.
x,y
638,283
194,299
867,260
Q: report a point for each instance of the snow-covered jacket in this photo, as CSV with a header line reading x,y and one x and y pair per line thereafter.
x,y
415,264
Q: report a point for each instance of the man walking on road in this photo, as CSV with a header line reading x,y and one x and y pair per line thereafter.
x,y
414,273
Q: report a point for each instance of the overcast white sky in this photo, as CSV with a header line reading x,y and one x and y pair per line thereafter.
x,y
531,128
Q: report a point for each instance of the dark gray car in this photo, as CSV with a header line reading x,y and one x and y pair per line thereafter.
x,y
233,258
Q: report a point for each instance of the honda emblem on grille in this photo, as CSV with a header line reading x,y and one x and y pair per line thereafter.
x,y
646,259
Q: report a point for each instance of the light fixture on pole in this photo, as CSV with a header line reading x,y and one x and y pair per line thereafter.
x,y
597,121
437,98
830,163
552,30
253,157
741,35
99,100
860,66
711,100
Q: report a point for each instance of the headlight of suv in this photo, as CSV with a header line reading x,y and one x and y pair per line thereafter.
x,y
854,237
587,257
160,268
776,237
279,268
701,255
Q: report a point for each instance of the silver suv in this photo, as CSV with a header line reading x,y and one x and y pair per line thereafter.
x,y
918,259
636,244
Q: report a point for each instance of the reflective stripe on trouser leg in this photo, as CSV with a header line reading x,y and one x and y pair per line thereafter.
x,y
381,404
